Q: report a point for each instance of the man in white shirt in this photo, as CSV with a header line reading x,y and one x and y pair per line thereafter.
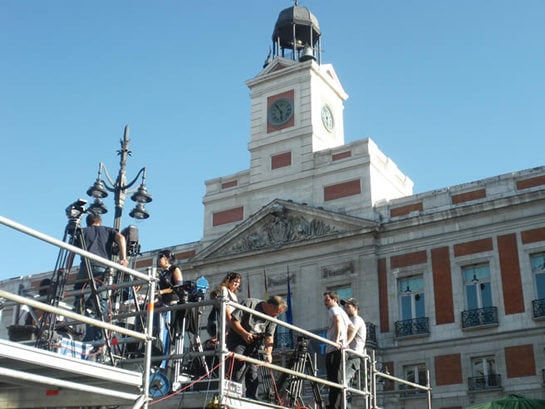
x,y
357,341
339,330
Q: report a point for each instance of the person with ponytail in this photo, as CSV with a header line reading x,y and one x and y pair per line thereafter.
x,y
170,277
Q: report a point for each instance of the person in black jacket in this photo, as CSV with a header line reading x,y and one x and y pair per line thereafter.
x,y
170,277
170,287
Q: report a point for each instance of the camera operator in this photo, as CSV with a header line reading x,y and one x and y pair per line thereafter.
x,y
99,240
170,286
247,333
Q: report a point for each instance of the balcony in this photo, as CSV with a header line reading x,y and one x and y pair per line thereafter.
x,y
412,327
481,383
480,317
538,306
371,341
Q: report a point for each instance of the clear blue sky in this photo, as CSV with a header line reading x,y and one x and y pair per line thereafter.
x,y
451,91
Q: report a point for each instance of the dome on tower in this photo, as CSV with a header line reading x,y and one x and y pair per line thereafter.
x,y
296,29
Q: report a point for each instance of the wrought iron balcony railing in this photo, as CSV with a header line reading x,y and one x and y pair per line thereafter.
x,y
412,327
538,307
371,341
479,383
479,317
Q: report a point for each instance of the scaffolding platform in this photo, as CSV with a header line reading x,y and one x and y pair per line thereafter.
x,y
32,378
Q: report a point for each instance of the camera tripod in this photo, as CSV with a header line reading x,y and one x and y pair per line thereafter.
x,y
300,361
73,235
187,323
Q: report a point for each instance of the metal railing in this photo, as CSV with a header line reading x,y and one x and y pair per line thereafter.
x,y
412,327
477,383
479,317
538,307
144,335
369,372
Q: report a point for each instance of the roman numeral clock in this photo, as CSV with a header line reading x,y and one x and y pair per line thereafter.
x,y
280,111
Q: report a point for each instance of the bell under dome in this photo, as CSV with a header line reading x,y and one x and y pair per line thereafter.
x,y
296,34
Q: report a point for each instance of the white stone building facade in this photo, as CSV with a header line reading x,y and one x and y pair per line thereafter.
x,y
450,282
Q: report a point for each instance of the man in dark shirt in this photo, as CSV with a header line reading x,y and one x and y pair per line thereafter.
x,y
99,240
246,334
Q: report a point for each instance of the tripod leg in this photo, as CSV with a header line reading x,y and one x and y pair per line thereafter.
x,y
179,349
47,323
197,346
315,388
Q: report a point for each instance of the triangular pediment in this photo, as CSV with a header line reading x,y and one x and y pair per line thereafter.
x,y
277,64
281,224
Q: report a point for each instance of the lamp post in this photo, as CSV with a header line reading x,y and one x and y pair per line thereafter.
x,y
120,188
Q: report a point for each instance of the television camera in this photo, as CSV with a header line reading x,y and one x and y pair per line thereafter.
x,y
192,291
74,211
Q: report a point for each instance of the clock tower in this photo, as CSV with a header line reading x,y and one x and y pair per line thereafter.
x,y
297,102
297,148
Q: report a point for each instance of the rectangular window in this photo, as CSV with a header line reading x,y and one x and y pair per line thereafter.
x,y
412,298
416,374
537,262
483,370
344,292
477,286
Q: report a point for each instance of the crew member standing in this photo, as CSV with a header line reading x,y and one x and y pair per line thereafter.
x,y
170,283
99,240
357,341
227,289
339,329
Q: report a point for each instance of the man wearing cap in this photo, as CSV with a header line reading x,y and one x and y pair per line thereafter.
x,y
356,341
339,330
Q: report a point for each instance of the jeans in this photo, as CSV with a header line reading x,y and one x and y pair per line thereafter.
x,y
244,371
334,369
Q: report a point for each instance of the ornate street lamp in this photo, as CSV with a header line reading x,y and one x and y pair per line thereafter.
x,y
120,188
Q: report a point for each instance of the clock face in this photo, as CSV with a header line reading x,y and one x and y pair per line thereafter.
x,y
327,118
280,111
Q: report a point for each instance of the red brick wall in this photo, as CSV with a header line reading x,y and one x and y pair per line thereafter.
x,y
472,247
281,160
448,369
344,189
227,185
228,216
468,196
184,255
532,236
341,155
442,285
403,210
531,182
510,274
409,259
520,361
143,263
